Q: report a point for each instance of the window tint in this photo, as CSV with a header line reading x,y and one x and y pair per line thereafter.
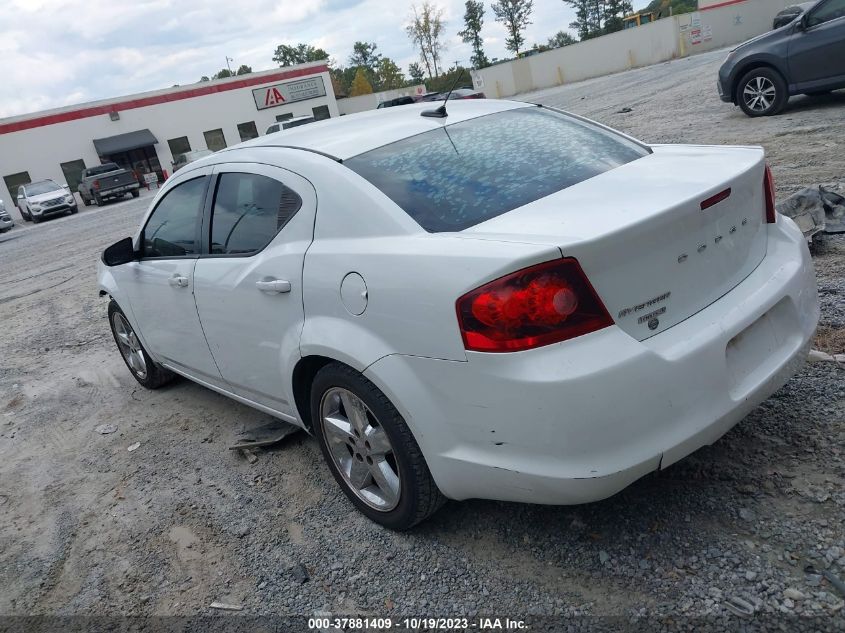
x,y
247,131
172,228
215,140
248,212
463,174
179,145
828,11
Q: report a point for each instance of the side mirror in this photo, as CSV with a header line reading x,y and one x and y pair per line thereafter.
x,y
802,23
119,253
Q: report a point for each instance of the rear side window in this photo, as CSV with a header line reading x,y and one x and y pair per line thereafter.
x,y
463,174
249,209
172,230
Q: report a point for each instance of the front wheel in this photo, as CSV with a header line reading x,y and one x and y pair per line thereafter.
x,y
135,193
145,370
762,92
370,450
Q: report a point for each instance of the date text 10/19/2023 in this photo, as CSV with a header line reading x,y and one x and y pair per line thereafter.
x,y
415,623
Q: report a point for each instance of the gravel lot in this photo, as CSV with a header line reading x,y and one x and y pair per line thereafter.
x,y
87,527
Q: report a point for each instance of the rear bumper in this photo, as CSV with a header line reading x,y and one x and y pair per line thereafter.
x,y
118,191
578,421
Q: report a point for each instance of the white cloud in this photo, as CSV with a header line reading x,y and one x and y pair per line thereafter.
x,y
58,52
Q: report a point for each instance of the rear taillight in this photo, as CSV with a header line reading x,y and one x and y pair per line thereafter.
x,y
769,193
96,184
535,306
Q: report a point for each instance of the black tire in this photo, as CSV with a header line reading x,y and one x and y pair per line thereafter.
x,y
419,496
35,219
156,376
74,210
135,193
98,200
761,92
85,200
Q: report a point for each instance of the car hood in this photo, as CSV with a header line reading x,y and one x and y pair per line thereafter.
x,y
769,36
50,195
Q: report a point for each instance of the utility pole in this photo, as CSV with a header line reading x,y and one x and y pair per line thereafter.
x,y
457,64
229,59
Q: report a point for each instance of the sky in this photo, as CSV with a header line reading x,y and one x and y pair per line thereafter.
x,y
63,52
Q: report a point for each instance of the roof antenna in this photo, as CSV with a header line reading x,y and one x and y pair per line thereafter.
x,y
440,113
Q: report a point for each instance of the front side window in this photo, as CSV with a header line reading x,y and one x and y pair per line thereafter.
x,y
171,230
249,210
463,174
828,11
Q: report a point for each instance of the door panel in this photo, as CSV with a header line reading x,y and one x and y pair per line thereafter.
x,y
160,286
817,54
249,290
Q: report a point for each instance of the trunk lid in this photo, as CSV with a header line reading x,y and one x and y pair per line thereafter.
x,y
654,256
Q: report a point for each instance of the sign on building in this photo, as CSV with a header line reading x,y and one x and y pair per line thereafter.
x,y
288,92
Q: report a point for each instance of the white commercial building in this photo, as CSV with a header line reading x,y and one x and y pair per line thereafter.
x,y
145,132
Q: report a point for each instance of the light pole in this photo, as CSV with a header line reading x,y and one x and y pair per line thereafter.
x,y
229,59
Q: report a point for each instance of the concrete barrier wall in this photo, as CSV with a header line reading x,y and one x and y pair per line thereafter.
x,y
660,41
351,105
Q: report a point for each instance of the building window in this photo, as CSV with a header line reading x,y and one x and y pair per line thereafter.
x,y
284,117
321,112
247,130
14,181
179,146
214,139
73,172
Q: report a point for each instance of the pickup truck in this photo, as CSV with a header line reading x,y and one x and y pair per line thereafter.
x,y
106,181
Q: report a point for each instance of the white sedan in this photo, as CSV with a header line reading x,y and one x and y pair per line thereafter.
x,y
508,302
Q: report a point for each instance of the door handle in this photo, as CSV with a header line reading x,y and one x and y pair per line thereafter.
x,y
273,286
179,281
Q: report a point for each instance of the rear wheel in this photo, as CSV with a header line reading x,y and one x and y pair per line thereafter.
x,y
145,370
98,200
85,201
135,193
370,450
762,92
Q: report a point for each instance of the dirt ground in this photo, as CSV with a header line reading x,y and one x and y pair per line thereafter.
x,y
89,528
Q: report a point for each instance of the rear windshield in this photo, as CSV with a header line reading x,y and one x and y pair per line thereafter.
x,y
102,169
463,174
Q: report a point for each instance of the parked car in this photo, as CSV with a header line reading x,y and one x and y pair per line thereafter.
x,y
398,101
106,181
507,303
290,123
789,14
189,157
458,93
805,57
6,222
39,200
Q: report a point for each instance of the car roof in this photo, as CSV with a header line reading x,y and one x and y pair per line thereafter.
x,y
347,136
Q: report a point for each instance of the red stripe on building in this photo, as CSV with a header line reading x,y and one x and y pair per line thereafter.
x,y
143,102
721,4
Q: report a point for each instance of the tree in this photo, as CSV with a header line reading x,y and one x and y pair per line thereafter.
x,y
360,85
205,78
560,39
388,75
581,24
223,73
364,56
300,54
243,70
473,21
416,72
514,14
424,32
614,11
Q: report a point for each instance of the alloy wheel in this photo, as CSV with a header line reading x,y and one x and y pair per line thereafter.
x,y
759,94
360,449
129,345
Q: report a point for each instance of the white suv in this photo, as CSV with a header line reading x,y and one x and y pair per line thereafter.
x,y
42,199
